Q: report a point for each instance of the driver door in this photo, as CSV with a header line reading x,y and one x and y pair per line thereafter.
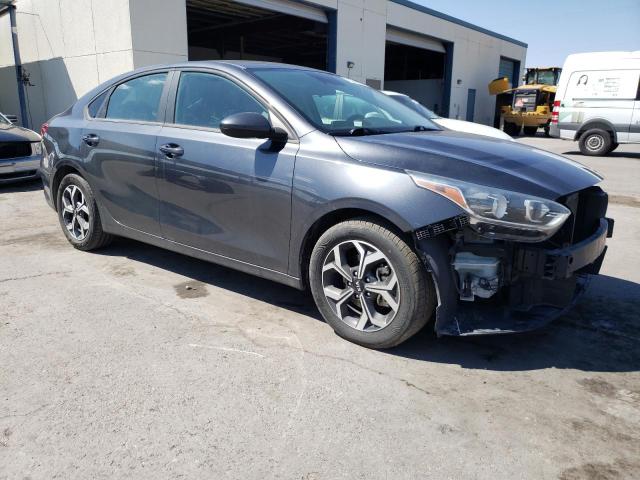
x,y
224,195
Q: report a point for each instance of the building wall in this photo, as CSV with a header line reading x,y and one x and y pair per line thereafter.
x,y
70,46
67,47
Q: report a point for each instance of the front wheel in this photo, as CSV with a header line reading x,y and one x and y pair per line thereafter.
x,y
511,128
530,130
369,285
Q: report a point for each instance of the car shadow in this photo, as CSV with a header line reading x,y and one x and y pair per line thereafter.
x,y
21,186
215,275
601,334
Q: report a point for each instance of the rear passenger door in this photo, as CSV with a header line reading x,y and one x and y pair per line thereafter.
x,y
120,149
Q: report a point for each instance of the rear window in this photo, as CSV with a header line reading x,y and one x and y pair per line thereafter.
x,y
137,99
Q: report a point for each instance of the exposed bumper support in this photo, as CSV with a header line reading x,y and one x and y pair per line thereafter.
x,y
548,281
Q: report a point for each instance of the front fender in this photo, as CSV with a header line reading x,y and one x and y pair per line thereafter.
x,y
326,181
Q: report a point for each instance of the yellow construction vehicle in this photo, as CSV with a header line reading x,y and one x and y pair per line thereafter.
x,y
529,106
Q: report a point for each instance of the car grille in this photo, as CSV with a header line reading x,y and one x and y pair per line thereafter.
x,y
587,207
15,150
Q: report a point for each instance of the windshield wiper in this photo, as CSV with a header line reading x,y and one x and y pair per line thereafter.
x,y
357,132
422,128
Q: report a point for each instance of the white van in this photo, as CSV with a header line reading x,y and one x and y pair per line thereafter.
x,y
598,101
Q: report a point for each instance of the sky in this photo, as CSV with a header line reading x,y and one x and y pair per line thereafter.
x,y
553,28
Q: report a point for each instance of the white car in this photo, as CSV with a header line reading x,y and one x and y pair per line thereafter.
x,y
448,123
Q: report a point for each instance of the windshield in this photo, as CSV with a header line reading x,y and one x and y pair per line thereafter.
x,y
415,106
339,106
544,77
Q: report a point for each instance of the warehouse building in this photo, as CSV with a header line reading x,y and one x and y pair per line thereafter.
x,y
69,46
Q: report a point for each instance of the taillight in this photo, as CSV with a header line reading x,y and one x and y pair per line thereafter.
x,y
556,111
43,129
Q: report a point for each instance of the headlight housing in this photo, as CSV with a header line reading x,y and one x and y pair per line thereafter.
x,y
36,148
497,213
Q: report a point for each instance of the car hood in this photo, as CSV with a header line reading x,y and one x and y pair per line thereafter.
x,y
470,127
14,133
473,158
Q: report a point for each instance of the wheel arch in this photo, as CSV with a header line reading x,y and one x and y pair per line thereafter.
x,y
62,171
330,218
600,123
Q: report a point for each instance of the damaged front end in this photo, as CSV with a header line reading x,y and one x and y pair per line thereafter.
x,y
500,277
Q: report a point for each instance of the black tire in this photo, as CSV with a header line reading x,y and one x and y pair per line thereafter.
x,y
511,129
595,142
530,130
415,289
547,130
94,237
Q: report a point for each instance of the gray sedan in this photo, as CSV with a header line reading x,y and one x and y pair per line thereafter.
x,y
316,181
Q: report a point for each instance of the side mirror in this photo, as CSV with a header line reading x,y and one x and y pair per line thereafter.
x,y
250,125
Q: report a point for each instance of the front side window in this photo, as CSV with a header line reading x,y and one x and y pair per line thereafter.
x,y
137,99
340,106
204,100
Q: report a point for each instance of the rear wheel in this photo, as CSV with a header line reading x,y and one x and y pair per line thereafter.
x,y
547,130
369,285
595,142
530,130
511,129
78,214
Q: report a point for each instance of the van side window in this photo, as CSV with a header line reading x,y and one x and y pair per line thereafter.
x,y
638,92
137,99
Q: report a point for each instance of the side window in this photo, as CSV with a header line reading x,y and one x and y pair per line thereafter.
x,y
137,99
204,99
94,107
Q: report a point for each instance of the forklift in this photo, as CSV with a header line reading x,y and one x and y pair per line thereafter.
x,y
529,106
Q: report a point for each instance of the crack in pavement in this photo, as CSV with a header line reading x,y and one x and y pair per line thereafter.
x,y
13,279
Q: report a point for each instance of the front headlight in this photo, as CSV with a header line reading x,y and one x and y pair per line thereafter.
x,y
36,148
498,213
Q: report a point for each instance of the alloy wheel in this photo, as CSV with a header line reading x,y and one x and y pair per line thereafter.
x,y
75,212
360,285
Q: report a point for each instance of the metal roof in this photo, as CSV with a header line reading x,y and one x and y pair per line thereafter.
x,y
457,21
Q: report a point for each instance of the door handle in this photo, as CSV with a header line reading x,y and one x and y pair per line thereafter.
x,y
172,150
91,139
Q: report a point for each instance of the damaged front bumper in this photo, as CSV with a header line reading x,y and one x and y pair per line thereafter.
x,y
537,283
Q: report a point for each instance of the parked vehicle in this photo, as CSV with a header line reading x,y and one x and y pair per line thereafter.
x,y
20,152
448,123
11,118
598,101
388,219
527,107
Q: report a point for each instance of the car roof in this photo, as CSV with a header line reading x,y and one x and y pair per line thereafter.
x,y
241,64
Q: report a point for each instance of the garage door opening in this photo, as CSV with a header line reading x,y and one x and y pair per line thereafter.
x,y
232,30
416,66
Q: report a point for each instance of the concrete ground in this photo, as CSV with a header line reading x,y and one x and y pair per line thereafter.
x,y
133,362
